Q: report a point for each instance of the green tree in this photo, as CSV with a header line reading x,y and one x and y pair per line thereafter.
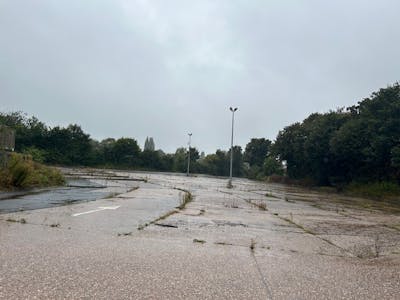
x,y
272,166
149,144
256,151
126,152
151,160
237,164
179,161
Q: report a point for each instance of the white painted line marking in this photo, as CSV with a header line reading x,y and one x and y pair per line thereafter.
x,y
94,210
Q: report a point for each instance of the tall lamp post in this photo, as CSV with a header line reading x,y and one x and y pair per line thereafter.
x,y
188,164
230,170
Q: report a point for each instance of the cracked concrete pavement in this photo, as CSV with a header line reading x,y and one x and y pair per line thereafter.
x,y
255,241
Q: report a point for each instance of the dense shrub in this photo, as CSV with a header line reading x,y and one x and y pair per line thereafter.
x,y
22,172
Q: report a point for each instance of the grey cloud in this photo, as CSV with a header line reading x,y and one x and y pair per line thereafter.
x,y
165,68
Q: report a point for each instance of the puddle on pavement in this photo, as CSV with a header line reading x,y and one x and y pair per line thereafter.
x,y
76,190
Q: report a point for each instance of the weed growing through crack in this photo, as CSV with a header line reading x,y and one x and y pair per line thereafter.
x,y
142,226
199,241
377,247
252,245
229,185
233,204
185,199
124,233
22,220
223,243
300,226
132,189
270,195
262,205
288,200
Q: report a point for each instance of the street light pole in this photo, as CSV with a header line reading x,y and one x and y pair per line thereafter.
x,y
230,170
188,164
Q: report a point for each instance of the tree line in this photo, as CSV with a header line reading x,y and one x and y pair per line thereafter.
x,y
359,143
71,146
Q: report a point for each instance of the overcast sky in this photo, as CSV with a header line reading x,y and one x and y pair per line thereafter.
x,y
166,68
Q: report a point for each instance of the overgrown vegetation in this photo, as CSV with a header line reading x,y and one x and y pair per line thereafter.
x,y
22,172
376,190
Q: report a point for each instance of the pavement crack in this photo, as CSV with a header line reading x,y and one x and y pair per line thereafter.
x,y
316,235
263,279
165,225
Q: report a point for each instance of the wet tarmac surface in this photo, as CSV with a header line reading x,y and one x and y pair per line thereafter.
x,y
86,188
255,241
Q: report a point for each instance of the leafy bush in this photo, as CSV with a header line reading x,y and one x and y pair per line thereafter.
x,y
38,155
22,172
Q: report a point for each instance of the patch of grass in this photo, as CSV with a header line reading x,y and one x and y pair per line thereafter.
x,y
22,220
392,226
199,241
185,199
375,190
